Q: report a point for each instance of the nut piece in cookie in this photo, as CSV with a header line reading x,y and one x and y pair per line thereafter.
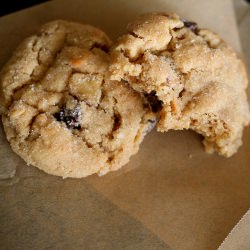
x,y
195,76
60,111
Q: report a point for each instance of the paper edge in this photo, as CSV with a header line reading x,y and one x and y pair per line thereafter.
x,y
233,231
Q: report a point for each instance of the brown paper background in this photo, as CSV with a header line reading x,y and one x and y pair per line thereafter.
x,y
170,196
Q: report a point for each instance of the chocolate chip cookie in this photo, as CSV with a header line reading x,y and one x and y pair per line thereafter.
x,y
191,78
60,111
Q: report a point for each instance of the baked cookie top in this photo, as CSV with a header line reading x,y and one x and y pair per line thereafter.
x,y
191,77
60,111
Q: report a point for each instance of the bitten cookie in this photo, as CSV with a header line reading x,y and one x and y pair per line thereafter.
x,y
60,112
192,78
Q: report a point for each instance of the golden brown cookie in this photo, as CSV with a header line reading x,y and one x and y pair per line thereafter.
x,y
191,77
60,112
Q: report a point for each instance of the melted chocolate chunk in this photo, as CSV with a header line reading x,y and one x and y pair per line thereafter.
x,y
71,117
191,25
155,103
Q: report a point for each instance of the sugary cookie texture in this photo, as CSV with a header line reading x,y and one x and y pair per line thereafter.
x,y
60,112
193,79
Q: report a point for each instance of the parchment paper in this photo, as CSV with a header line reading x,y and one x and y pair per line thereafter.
x,y
170,196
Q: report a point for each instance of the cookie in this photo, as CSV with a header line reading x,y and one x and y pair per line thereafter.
x,y
191,77
60,111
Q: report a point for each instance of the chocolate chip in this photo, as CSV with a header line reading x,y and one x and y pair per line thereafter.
x,y
155,103
191,25
71,117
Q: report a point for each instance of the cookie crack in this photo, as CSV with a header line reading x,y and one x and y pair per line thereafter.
x,y
117,120
30,126
56,53
105,48
32,80
132,33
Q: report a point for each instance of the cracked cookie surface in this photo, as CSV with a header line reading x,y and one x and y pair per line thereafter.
x,y
60,111
191,77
